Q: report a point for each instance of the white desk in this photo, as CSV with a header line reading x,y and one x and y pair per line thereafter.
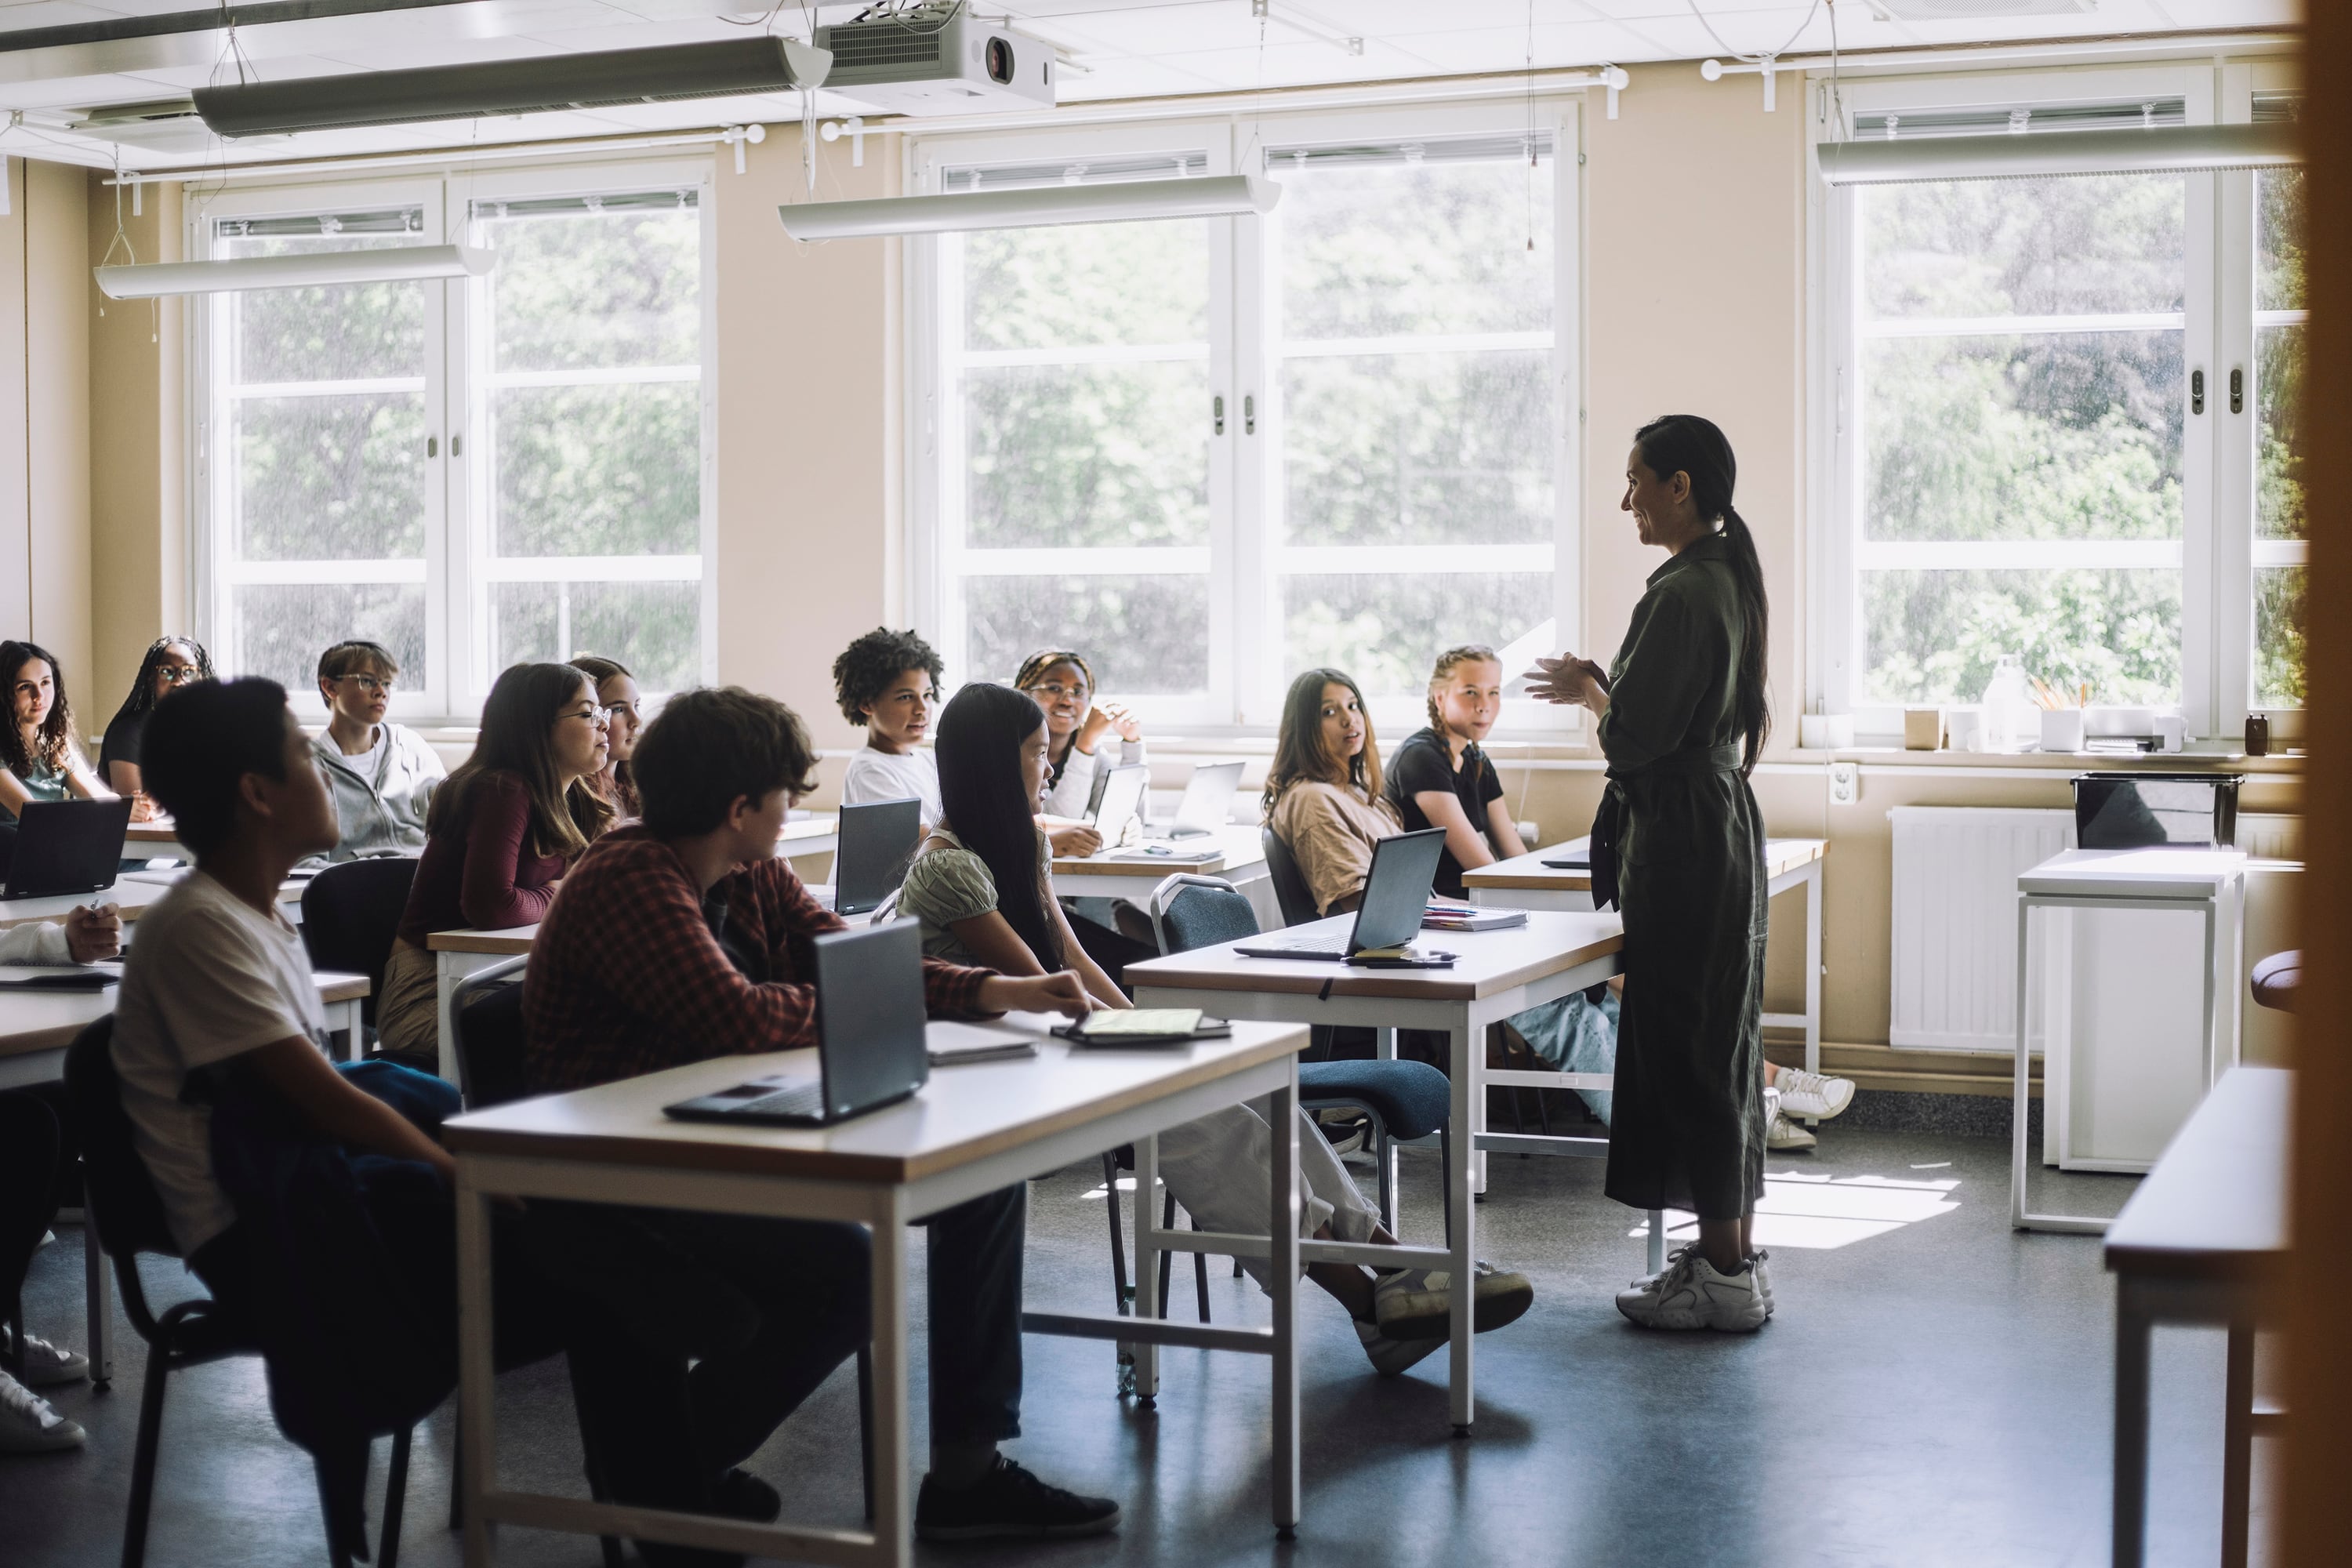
x,y
456,954
132,895
1524,882
1498,974
36,1027
159,838
1131,871
806,837
2208,883
974,1130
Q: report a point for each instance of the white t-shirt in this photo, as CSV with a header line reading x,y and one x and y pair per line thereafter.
x,y
882,775
209,978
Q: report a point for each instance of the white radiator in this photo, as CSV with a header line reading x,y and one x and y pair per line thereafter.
x,y
1954,960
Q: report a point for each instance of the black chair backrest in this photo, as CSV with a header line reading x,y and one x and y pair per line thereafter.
x,y
486,1016
1289,887
123,1197
351,912
1202,914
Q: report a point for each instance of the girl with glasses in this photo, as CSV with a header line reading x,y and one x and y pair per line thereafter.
x,y
1063,684
499,834
617,693
382,775
168,664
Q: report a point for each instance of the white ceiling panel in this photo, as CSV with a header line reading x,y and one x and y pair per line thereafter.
x,y
1131,77
1477,49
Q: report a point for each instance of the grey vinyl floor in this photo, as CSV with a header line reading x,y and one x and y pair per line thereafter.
x,y
1935,1389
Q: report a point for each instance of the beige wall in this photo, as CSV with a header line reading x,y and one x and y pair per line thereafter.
x,y
16,516
45,415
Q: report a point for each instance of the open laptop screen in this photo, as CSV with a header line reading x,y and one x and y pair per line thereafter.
x,y
869,1009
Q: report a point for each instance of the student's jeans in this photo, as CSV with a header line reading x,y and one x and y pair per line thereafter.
x,y
1221,1168
764,1310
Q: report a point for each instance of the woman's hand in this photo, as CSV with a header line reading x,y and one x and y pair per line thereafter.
x,y
143,809
1119,717
1570,681
1062,991
1074,841
93,931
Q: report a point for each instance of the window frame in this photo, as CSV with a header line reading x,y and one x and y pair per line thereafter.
x,y
458,616
1245,685
2218,550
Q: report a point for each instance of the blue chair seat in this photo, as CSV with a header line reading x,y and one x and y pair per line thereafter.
x,y
1412,1097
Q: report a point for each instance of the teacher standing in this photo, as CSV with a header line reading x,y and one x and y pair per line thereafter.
x,y
1678,845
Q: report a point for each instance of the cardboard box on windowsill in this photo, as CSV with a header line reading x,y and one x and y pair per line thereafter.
x,y
1923,729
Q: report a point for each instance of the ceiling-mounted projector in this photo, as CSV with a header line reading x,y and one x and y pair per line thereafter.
x,y
732,68
938,59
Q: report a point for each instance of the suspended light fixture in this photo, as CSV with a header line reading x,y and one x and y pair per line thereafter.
x,y
389,264
1039,207
2167,149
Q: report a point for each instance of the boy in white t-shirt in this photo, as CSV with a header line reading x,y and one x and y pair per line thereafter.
x,y
888,681
218,975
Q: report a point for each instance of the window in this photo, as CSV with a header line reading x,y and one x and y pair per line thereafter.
x,y
2034,444
474,473
1211,453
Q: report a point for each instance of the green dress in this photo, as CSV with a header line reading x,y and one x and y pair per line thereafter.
x,y
1686,1130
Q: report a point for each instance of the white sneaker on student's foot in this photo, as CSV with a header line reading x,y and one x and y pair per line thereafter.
x,y
1784,1135
1763,1277
47,1365
1689,1294
1814,1094
30,1424
1418,1303
1389,1357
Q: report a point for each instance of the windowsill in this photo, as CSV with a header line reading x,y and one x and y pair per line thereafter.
x,y
2197,757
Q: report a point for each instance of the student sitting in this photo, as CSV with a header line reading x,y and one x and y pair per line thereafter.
x,y
683,937
1063,684
169,664
982,887
1440,778
39,758
499,834
889,682
37,1158
617,693
382,775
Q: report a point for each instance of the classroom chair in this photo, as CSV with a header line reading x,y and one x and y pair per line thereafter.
x,y
351,912
1290,892
486,1019
121,1201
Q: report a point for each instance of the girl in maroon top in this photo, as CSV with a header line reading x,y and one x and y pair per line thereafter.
x,y
499,834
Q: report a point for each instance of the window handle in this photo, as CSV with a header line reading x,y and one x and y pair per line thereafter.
x,y
1249,415
456,446
2237,389
1217,425
2196,392
433,445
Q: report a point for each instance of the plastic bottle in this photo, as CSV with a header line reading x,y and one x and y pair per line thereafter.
x,y
2012,720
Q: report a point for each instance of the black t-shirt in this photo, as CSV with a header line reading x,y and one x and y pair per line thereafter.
x,y
1423,764
121,745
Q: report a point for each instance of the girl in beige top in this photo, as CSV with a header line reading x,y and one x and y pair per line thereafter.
x,y
1323,793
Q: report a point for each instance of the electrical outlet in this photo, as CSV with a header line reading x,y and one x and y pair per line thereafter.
x,y
1845,782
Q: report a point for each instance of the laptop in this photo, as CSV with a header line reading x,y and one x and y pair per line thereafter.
x,y
1396,895
877,842
1208,801
67,847
870,1044
1120,801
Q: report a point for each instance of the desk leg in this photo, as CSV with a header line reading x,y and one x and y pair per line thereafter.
x,y
1469,1120
2213,912
1282,1220
1812,885
1392,1196
2238,1444
2131,1431
1148,1264
446,973
2023,1105
477,1429
894,1517
98,1299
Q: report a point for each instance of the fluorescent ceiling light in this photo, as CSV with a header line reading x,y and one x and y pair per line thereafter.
x,y
612,77
2191,149
1039,207
389,264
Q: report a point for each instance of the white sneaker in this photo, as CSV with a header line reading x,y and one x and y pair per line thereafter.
x,y
1784,1135
47,1365
1418,1303
1389,1357
1763,1277
29,1424
1690,1294
1814,1094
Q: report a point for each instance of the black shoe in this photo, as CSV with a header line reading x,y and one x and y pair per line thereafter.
x,y
738,1494
1008,1501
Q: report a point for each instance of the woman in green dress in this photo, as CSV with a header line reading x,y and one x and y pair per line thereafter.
x,y
1678,845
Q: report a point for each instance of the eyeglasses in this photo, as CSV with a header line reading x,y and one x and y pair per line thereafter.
x,y
371,684
1053,691
179,674
596,717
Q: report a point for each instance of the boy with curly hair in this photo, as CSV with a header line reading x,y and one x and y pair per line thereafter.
x,y
888,681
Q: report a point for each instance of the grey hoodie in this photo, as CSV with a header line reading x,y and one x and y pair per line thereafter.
x,y
387,811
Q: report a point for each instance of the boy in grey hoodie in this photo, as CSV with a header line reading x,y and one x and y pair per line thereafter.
x,y
381,774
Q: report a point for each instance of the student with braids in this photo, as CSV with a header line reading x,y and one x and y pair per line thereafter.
x,y
1678,845
169,664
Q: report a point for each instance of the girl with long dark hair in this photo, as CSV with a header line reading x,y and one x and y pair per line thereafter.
x,y
982,887
617,690
1678,846
499,834
39,757
168,663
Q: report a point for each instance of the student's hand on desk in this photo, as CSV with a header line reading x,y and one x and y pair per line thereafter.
x,y
93,931
1062,993
143,808
1077,840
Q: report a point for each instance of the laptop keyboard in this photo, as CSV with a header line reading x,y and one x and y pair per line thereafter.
x,y
800,1100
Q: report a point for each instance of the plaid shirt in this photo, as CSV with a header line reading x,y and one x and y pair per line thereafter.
x,y
627,978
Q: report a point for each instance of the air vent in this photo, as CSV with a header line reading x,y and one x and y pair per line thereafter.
x,y
1980,10
879,44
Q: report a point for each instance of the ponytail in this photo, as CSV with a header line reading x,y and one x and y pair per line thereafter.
x,y
1684,443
